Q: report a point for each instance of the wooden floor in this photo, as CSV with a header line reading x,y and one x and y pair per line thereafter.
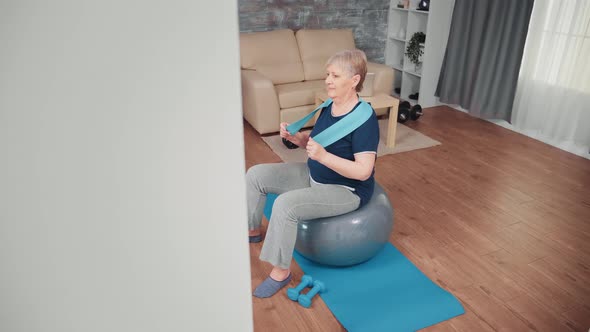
x,y
498,219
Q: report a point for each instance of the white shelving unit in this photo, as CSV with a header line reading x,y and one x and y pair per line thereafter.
x,y
402,24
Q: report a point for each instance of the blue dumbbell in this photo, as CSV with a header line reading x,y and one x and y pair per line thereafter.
x,y
293,293
305,299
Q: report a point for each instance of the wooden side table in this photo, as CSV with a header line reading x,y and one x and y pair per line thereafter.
x,y
376,101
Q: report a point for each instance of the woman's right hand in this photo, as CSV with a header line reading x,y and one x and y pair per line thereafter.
x,y
284,132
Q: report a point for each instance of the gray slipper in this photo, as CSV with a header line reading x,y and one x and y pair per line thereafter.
x,y
270,287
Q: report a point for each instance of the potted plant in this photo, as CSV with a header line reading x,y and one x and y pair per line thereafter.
x,y
414,50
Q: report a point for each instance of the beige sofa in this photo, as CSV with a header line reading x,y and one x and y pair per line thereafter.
x,y
282,71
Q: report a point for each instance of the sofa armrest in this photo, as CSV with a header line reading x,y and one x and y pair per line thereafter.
x,y
260,102
383,82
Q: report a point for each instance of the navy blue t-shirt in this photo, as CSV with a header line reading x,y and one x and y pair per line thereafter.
x,y
364,139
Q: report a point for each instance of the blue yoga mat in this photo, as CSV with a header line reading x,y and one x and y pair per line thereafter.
x,y
386,293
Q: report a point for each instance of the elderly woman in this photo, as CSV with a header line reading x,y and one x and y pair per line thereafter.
x,y
335,180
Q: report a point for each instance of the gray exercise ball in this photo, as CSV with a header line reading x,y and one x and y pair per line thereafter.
x,y
347,239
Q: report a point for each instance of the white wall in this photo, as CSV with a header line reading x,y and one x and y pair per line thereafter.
x,y
122,202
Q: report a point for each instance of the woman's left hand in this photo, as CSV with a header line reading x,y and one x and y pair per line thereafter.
x,y
314,150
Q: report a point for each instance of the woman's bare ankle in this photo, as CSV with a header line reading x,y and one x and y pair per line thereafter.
x,y
279,274
254,232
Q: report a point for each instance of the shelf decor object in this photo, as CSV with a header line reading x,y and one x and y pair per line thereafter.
x,y
423,5
415,49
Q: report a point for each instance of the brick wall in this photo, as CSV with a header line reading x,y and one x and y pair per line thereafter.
x,y
367,18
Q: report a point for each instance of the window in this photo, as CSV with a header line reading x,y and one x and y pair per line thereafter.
x,y
565,44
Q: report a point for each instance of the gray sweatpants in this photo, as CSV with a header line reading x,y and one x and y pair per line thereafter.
x,y
300,199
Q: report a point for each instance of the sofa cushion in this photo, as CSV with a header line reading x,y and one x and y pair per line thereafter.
x,y
298,94
317,46
293,114
274,54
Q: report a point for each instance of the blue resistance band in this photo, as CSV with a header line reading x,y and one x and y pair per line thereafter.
x,y
339,129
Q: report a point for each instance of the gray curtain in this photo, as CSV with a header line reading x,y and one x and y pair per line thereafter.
x,y
483,55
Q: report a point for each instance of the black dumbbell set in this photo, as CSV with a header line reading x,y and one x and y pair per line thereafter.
x,y
290,145
406,111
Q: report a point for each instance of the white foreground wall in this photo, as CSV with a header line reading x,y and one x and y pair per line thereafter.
x,y
122,203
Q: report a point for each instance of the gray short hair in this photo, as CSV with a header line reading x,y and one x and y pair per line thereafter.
x,y
354,62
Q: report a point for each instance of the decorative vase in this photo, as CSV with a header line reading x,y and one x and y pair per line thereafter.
x,y
424,5
418,67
